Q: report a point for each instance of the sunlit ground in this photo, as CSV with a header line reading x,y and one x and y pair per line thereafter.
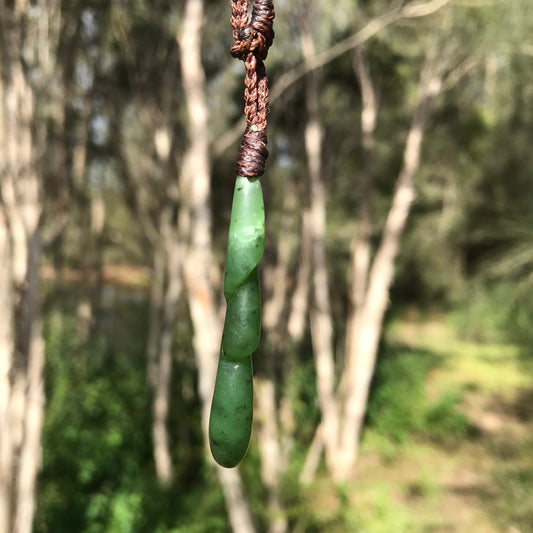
x,y
482,482
476,479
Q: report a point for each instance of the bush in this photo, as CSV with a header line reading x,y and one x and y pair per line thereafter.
x,y
501,313
444,422
98,474
483,316
398,407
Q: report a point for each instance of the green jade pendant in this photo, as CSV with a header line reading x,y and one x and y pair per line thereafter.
x,y
230,422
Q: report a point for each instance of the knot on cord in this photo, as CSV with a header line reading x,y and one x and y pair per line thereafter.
x,y
255,36
253,153
252,39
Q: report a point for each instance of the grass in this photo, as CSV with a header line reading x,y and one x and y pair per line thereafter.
x,y
480,481
488,368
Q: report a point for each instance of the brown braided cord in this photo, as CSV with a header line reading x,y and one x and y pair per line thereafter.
x,y
252,39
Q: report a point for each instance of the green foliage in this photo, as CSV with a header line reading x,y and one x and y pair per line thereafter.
x,y
94,440
98,473
482,316
399,408
506,270
495,313
386,515
395,406
325,507
444,423
302,393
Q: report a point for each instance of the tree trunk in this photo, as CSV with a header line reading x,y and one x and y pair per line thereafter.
x,y
30,455
273,460
195,188
76,136
156,381
361,246
168,257
275,276
320,311
366,330
157,292
300,297
7,345
273,422
21,337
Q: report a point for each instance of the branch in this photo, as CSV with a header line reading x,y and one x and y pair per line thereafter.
x,y
286,80
460,71
422,9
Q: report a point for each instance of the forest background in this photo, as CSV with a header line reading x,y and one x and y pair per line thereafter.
x,y
392,381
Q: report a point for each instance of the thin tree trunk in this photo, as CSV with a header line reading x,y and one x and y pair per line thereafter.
x,y
361,246
174,259
365,336
300,297
157,291
21,340
320,311
77,160
272,458
275,276
160,449
239,513
163,313
273,423
312,459
168,244
196,191
7,345
30,456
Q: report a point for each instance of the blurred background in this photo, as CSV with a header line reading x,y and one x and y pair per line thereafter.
x,y
393,388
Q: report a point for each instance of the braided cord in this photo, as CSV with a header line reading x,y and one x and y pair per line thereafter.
x,y
252,39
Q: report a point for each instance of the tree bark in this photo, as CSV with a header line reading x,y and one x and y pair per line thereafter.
x,y
163,313
361,247
371,280
7,345
312,459
21,337
30,455
157,292
273,460
320,310
360,362
273,421
275,277
300,297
